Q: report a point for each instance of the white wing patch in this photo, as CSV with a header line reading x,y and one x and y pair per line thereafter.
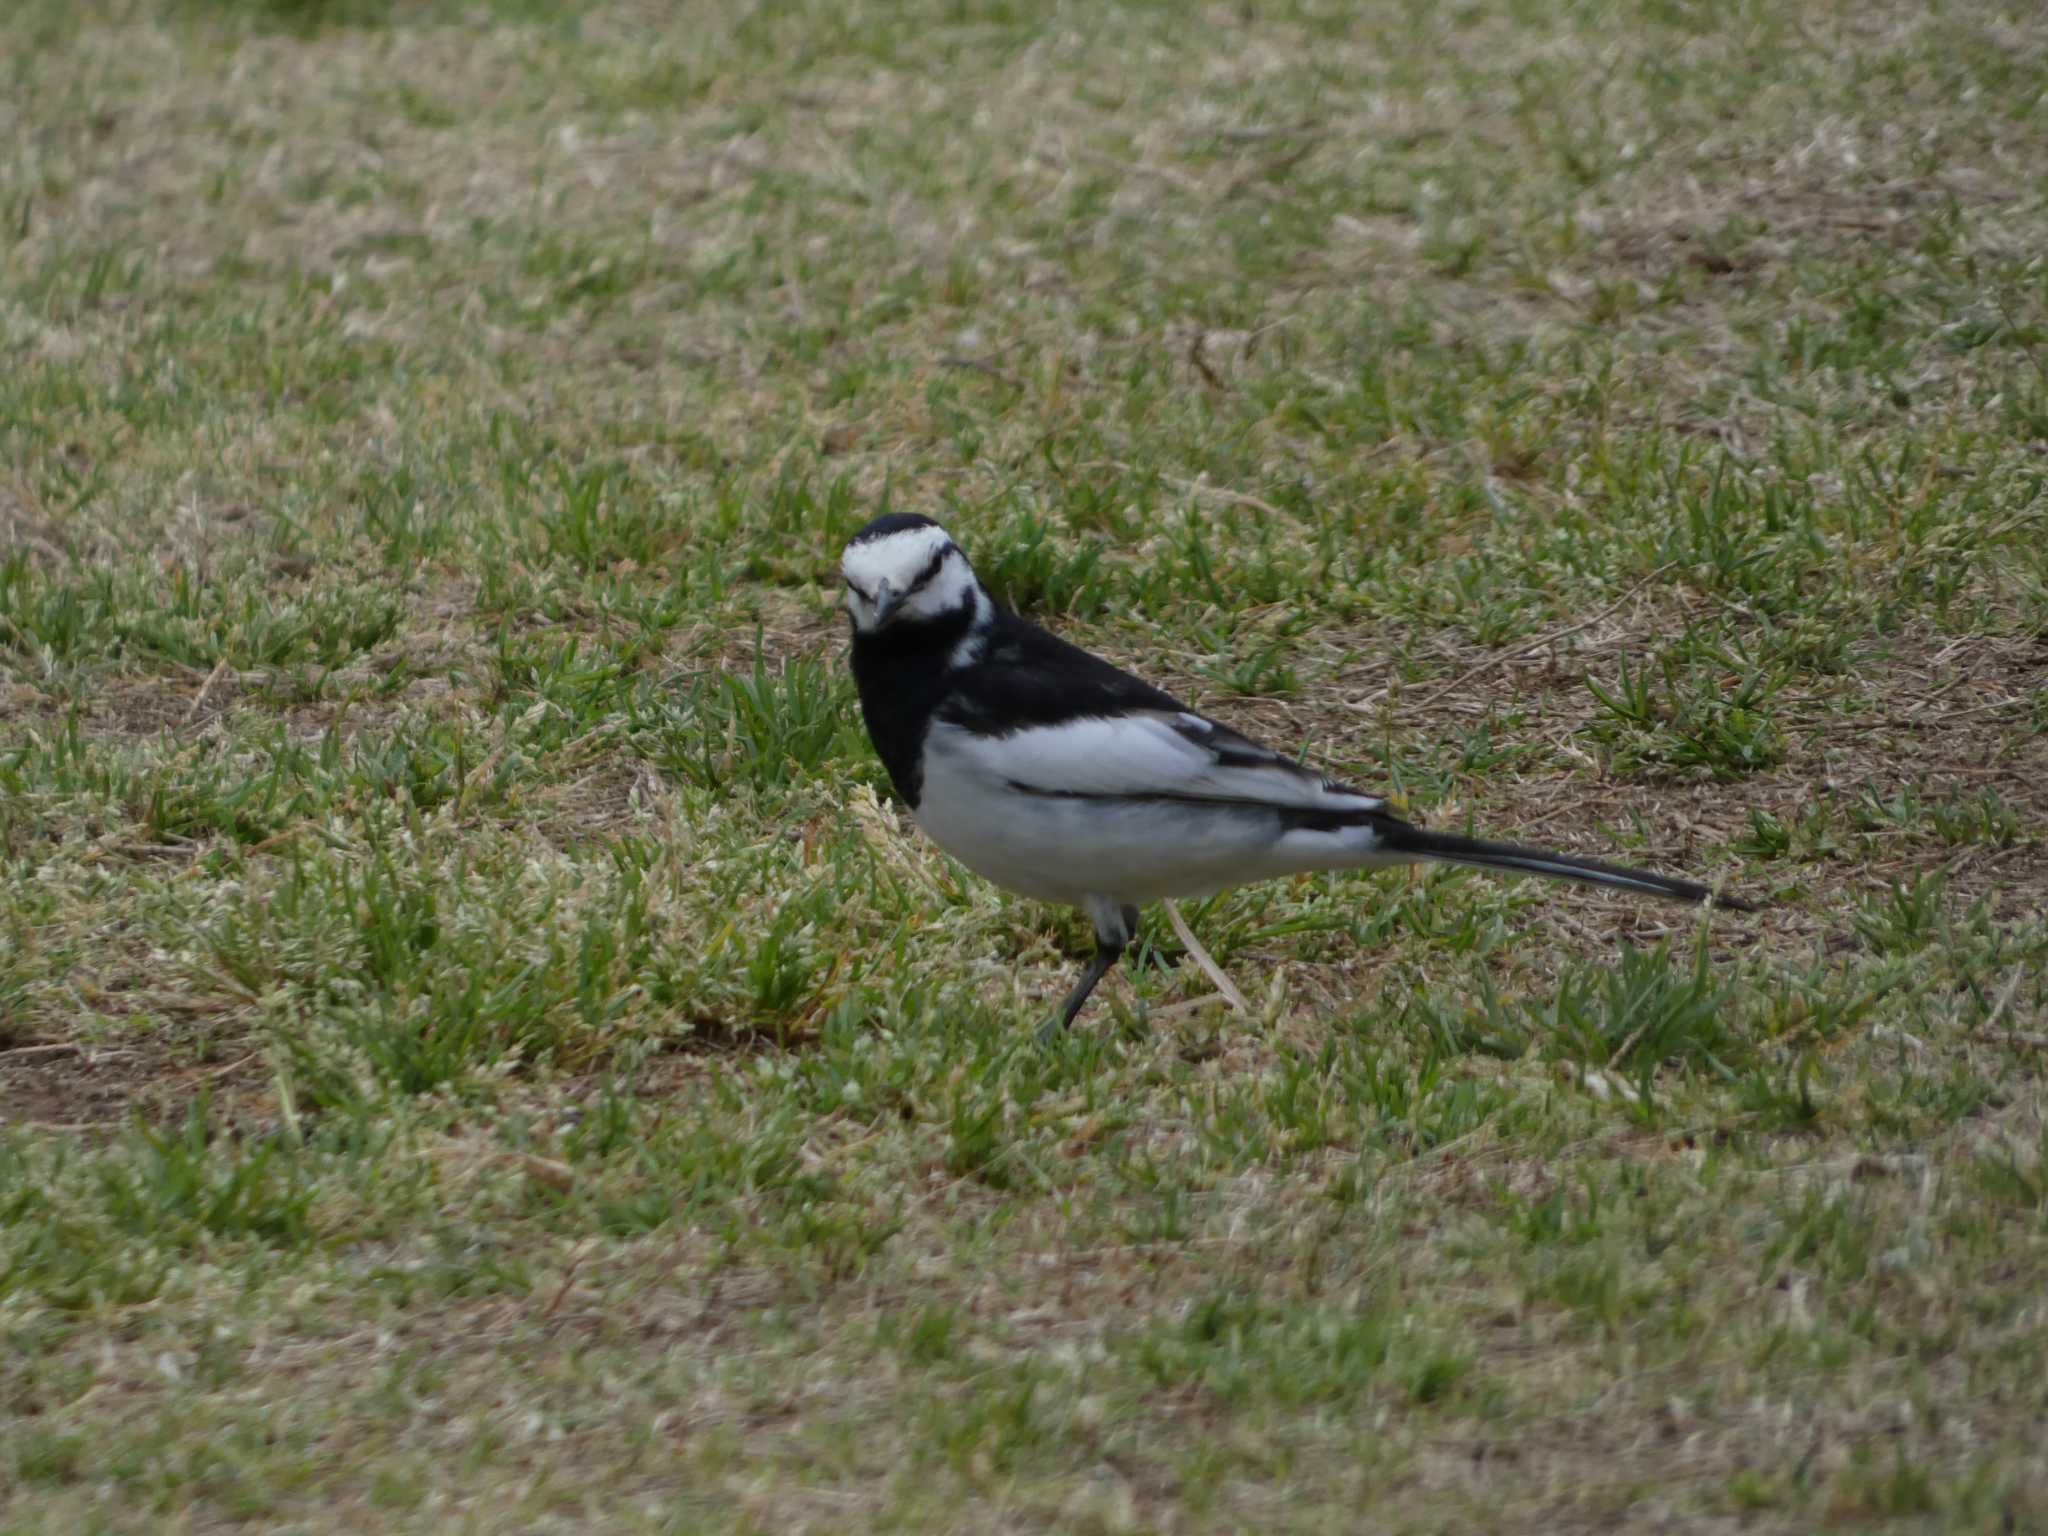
x,y
1144,753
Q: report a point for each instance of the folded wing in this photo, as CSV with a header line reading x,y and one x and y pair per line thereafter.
x,y
1152,755
1048,718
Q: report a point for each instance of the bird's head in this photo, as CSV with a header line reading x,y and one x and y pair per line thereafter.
x,y
903,569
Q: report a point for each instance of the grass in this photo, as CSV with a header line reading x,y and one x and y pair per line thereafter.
x,y
481,1049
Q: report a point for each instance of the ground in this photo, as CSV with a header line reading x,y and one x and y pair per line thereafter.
x,y
484,1050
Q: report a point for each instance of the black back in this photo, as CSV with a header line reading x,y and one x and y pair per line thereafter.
x,y
1026,676
1023,677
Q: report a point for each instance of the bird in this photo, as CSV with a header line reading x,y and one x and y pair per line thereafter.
x,y
1055,774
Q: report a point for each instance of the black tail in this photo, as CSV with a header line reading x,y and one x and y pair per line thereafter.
x,y
1401,837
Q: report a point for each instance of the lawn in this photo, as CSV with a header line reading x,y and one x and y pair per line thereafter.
x,y
481,1048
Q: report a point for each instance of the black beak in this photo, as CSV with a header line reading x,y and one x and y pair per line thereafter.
x,y
887,601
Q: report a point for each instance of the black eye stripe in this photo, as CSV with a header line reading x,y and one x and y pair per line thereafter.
x,y
931,569
923,579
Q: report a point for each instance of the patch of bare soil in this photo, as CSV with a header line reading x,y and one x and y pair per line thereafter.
x,y
69,1085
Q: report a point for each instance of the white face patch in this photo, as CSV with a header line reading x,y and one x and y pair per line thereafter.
x,y
925,573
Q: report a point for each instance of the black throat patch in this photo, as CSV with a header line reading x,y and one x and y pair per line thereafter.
x,y
904,673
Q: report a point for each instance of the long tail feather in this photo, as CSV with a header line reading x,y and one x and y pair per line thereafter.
x,y
1401,837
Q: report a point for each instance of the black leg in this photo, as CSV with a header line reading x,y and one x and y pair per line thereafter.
x,y
1109,948
1106,955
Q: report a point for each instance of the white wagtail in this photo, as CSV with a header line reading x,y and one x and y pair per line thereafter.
x,y
1059,776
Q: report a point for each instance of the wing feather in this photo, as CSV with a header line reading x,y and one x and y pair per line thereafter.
x,y
1049,718
1150,754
